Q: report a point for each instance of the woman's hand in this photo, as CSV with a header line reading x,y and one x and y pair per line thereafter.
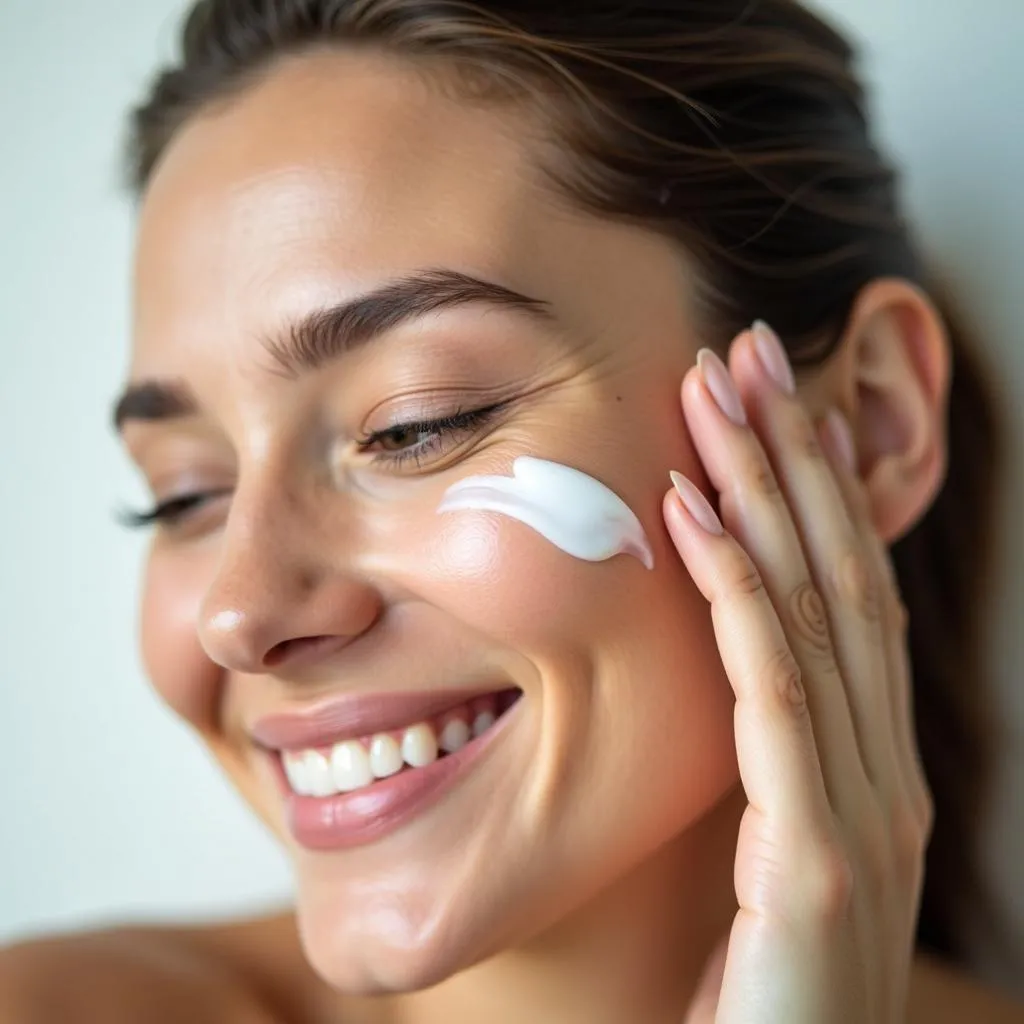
x,y
829,864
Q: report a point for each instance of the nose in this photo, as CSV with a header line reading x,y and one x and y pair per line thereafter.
x,y
285,595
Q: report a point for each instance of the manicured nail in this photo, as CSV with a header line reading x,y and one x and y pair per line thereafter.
x,y
720,384
696,504
842,438
773,357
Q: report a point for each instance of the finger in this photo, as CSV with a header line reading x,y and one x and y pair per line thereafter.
x,y
756,511
835,552
907,832
838,444
777,755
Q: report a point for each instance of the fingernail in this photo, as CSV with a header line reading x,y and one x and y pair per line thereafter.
x,y
773,357
696,504
842,438
720,384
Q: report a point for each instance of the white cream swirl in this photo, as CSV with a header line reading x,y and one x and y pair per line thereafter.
x,y
574,511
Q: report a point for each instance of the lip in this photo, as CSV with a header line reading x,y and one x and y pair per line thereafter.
x,y
363,816
354,715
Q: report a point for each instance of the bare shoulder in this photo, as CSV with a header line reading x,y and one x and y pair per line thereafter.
x,y
125,974
940,994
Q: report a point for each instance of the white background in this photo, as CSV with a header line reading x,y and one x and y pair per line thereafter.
x,y
109,809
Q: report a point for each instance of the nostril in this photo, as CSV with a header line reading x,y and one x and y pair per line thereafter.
x,y
303,649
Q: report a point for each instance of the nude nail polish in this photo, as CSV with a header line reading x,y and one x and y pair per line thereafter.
x,y
720,384
696,504
773,357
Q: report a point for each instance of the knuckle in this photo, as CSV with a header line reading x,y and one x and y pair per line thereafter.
x,y
908,838
784,681
747,580
854,584
807,611
830,879
762,876
804,439
761,479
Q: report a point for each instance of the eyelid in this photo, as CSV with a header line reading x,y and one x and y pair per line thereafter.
x,y
457,422
431,405
169,511
174,510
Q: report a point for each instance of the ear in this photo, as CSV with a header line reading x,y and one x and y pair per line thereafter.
x,y
895,382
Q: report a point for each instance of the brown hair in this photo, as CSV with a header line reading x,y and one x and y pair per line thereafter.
x,y
739,128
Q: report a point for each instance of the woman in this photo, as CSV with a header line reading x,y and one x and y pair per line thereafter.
x,y
431,298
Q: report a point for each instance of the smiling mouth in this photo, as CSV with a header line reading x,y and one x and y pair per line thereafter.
x,y
364,762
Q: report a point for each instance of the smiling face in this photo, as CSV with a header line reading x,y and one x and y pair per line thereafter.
x,y
317,563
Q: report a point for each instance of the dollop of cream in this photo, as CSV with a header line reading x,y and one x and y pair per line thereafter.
x,y
574,511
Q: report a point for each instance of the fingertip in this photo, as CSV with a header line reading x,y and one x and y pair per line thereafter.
x,y
838,438
680,525
692,384
742,357
697,507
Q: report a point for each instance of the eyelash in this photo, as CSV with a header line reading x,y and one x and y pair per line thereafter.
x,y
168,512
172,511
438,429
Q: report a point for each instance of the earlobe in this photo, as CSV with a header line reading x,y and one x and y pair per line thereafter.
x,y
899,356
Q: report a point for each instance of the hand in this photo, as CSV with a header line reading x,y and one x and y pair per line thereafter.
x,y
829,863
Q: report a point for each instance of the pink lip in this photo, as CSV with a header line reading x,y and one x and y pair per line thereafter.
x,y
363,816
357,714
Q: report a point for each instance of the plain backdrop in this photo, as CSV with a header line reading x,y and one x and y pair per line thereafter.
x,y
109,810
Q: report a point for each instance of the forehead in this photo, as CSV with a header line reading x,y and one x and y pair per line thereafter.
x,y
339,170
372,131
334,162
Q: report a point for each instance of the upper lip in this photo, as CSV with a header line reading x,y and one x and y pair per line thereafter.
x,y
352,715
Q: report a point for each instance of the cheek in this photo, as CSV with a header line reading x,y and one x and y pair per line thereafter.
x,y
634,703
505,581
499,575
176,664
570,618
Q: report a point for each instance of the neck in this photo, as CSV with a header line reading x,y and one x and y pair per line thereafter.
x,y
635,952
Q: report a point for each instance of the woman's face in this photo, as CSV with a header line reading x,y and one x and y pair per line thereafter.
x,y
319,566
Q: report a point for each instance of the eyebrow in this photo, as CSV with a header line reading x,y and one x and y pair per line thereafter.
x,y
324,335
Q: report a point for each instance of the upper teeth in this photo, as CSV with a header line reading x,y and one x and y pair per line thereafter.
x,y
352,764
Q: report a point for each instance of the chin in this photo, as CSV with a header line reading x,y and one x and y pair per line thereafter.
x,y
393,953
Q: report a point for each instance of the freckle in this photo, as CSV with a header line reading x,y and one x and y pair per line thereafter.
x,y
618,398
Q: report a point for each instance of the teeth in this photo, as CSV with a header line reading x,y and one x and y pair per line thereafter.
x,y
455,735
482,723
319,778
295,769
352,765
419,746
385,756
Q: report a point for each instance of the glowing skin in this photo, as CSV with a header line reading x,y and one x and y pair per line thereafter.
x,y
574,511
606,818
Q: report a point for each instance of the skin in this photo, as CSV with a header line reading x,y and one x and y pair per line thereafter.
x,y
322,571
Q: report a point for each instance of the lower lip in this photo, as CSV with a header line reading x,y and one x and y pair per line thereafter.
x,y
366,815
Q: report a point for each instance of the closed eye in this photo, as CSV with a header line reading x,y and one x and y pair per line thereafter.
x,y
415,441
393,448
169,512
